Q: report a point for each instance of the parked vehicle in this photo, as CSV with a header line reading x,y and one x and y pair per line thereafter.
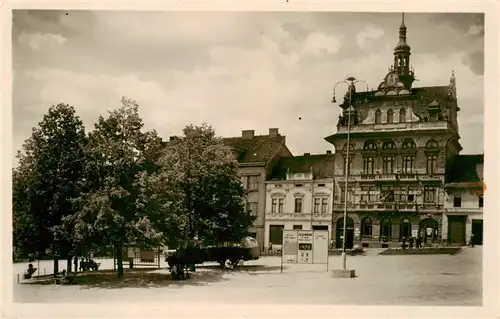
x,y
247,249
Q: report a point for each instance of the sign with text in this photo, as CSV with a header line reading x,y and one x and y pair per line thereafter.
x,y
320,247
305,239
290,246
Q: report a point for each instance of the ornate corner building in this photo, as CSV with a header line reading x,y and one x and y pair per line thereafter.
x,y
403,143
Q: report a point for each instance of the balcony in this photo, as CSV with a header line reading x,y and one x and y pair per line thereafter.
x,y
295,216
464,210
429,207
408,177
386,177
407,207
429,178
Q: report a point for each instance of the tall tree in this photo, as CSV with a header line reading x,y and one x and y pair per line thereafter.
x,y
199,177
46,180
119,155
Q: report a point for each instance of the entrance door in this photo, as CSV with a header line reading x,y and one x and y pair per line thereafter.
x,y
349,233
456,229
477,230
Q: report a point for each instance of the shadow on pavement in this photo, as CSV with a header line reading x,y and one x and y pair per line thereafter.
x,y
249,269
136,279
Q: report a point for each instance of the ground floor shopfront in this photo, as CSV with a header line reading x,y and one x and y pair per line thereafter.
x,y
385,229
459,226
273,230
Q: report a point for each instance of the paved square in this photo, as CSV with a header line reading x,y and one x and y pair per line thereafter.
x,y
382,280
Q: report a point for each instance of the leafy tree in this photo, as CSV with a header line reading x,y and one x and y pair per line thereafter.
x,y
119,154
199,183
45,182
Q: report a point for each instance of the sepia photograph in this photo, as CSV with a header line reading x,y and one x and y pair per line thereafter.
x,y
325,158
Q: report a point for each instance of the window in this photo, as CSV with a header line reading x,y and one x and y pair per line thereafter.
x,y
244,182
281,205
370,146
388,165
324,205
274,203
386,228
431,164
390,116
387,194
457,200
388,145
366,227
402,116
429,194
408,164
298,205
431,144
481,201
378,117
342,194
253,208
321,185
368,194
408,144
368,165
349,162
316,205
253,182
411,197
298,185
253,235
297,227
276,234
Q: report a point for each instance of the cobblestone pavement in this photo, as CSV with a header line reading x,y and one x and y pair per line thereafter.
x,y
381,280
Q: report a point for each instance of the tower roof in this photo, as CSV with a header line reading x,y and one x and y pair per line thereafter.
x,y
402,45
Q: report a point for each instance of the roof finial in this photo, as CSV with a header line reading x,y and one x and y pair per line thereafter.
x,y
403,18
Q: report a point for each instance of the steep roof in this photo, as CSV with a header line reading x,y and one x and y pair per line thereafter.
x,y
259,148
323,165
466,169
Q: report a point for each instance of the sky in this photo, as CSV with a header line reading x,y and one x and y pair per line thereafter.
x,y
234,70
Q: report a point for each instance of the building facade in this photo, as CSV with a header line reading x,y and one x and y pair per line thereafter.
x,y
463,207
257,155
299,196
403,139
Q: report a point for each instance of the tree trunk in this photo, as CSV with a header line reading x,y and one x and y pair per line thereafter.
x,y
56,266
68,264
119,260
76,264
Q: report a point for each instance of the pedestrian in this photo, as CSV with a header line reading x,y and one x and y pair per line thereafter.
x,y
411,242
471,242
418,242
270,246
404,243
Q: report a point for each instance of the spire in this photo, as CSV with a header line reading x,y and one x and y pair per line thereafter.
x,y
402,57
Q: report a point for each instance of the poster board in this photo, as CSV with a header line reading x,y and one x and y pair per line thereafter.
x,y
305,247
290,246
320,247
305,239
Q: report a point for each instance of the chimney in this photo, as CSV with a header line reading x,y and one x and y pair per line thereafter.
x,y
274,132
307,154
328,152
247,134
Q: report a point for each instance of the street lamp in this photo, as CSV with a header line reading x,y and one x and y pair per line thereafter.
x,y
351,82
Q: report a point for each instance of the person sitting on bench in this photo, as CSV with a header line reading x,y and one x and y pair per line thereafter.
x,y
29,272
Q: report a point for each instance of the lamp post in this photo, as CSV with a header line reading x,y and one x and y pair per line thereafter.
x,y
351,82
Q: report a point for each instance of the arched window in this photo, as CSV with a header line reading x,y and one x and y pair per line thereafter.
x,y
431,144
388,145
370,146
402,116
408,143
378,117
366,227
390,116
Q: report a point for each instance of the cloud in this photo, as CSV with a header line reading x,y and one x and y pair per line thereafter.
x,y
365,38
37,41
233,70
